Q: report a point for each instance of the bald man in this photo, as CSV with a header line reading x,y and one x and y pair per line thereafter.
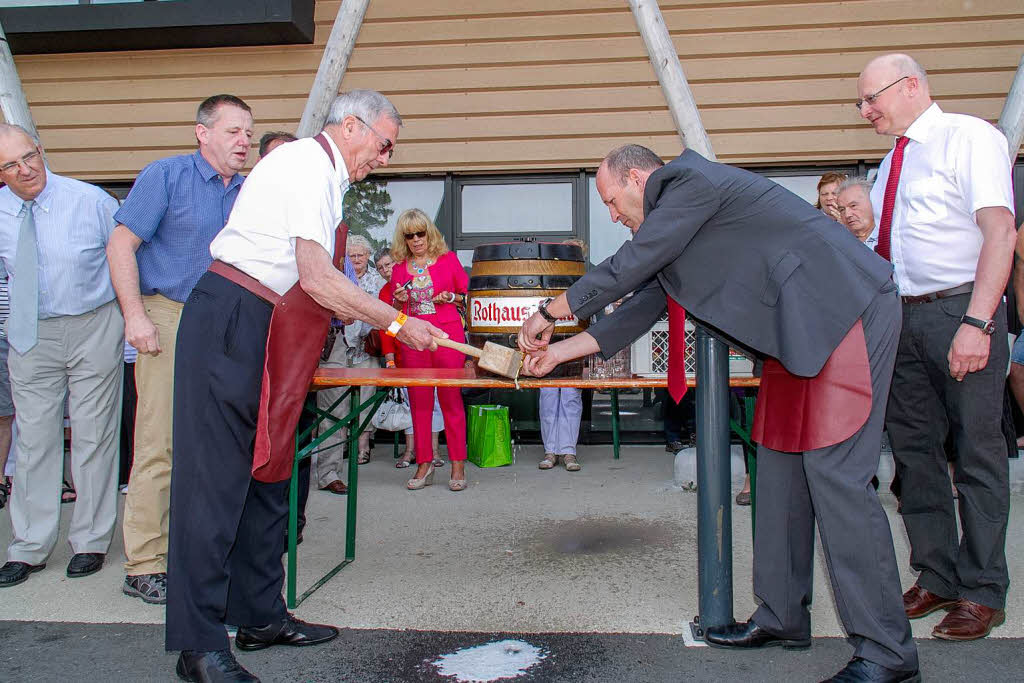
x,y
943,201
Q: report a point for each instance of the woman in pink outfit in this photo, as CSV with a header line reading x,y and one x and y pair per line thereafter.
x,y
430,283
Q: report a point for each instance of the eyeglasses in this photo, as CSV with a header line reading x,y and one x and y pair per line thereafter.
x,y
27,160
410,235
388,147
870,99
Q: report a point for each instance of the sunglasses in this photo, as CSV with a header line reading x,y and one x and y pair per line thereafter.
x,y
410,235
388,147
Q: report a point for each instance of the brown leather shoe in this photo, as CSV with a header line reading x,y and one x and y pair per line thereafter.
x,y
337,486
918,602
968,621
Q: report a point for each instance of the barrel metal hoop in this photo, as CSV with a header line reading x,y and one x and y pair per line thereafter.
x,y
511,251
481,282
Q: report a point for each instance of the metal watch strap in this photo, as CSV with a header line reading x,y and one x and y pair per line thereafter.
x,y
543,310
986,326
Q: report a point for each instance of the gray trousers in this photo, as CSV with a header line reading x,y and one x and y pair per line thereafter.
x,y
83,355
925,404
330,460
833,487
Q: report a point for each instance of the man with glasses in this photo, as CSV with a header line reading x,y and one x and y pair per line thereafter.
x,y
944,202
66,337
157,253
251,335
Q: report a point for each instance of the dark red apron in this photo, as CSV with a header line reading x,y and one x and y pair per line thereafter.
x,y
298,329
796,414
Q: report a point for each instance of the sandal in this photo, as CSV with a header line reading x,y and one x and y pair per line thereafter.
x,y
549,461
67,493
438,461
405,460
364,458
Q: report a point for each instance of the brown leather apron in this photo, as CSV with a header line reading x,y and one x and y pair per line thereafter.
x,y
298,328
796,414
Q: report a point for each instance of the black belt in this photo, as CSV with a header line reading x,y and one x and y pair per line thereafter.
x,y
965,288
478,282
509,251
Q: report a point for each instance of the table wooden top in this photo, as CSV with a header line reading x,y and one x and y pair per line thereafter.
x,y
325,378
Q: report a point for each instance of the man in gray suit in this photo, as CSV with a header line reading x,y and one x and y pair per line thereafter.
x,y
769,273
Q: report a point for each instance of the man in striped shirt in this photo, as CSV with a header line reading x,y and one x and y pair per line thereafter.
x,y
66,334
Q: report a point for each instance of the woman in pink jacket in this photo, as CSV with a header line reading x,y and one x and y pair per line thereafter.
x,y
430,283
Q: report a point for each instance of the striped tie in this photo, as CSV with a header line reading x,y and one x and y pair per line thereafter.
x,y
23,324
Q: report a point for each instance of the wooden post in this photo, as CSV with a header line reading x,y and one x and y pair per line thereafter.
x,y
332,66
12,97
1011,121
714,500
670,74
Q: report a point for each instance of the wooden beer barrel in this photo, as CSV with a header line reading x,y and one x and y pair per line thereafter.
x,y
508,281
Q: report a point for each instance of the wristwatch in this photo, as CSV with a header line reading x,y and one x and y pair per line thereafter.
x,y
986,326
543,310
396,324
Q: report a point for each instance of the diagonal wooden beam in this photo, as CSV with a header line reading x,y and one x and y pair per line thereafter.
x,y
1011,120
12,96
332,66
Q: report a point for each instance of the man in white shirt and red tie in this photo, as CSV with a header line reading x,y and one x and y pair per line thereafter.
x,y
945,201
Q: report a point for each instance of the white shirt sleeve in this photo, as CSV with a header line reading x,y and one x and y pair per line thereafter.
x,y
983,169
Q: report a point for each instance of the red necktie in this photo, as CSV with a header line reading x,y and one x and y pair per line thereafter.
x,y
676,350
891,185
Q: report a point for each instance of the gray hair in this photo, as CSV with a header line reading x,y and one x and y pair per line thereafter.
x,y
381,253
856,181
367,105
359,242
621,159
12,128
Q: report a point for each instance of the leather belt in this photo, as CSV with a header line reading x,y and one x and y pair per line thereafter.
x,y
965,288
229,272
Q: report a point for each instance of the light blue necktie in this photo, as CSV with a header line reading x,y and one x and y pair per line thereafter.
x,y
23,323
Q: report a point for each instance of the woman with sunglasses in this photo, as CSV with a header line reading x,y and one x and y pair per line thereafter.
x,y
430,283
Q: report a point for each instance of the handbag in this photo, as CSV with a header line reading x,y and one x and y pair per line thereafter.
x,y
372,345
489,442
394,414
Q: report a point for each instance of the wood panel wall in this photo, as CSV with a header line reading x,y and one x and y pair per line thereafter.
x,y
500,86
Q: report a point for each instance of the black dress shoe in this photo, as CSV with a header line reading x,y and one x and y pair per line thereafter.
x,y
83,564
749,635
13,573
212,667
861,670
289,632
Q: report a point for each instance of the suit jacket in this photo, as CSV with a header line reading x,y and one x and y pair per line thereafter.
x,y
741,254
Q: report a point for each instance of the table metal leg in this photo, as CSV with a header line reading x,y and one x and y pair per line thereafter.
x,y
293,527
615,423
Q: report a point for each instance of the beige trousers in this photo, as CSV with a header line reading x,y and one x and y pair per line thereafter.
x,y
146,508
83,356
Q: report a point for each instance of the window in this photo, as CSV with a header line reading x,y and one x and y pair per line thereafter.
x,y
372,207
605,237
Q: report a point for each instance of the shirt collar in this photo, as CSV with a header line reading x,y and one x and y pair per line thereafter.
x,y
923,125
208,172
11,203
340,170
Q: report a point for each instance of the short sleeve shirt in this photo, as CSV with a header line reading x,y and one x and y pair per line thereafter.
x,y
176,207
293,193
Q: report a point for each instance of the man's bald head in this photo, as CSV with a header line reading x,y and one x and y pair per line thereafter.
x,y
892,92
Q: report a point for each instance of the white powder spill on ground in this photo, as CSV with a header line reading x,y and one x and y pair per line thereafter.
x,y
489,662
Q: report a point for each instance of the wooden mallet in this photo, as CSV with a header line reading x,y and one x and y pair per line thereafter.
x,y
501,360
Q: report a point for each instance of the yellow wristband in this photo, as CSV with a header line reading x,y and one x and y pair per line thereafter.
x,y
396,325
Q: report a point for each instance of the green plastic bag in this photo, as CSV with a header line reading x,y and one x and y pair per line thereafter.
x,y
488,436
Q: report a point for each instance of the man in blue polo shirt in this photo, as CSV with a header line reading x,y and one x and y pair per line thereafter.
x,y
157,253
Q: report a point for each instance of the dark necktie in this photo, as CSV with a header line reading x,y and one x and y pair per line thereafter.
x,y
23,324
891,185
676,350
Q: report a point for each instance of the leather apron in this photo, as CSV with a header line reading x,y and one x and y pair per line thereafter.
x,y
796,414
296,335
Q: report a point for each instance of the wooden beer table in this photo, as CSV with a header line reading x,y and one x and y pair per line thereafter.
x,y
387,378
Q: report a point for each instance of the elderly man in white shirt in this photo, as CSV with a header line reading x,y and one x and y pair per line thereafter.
x,y
943,201
853,202
250,337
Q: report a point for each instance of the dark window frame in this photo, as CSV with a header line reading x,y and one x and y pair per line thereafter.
x,y
157,25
